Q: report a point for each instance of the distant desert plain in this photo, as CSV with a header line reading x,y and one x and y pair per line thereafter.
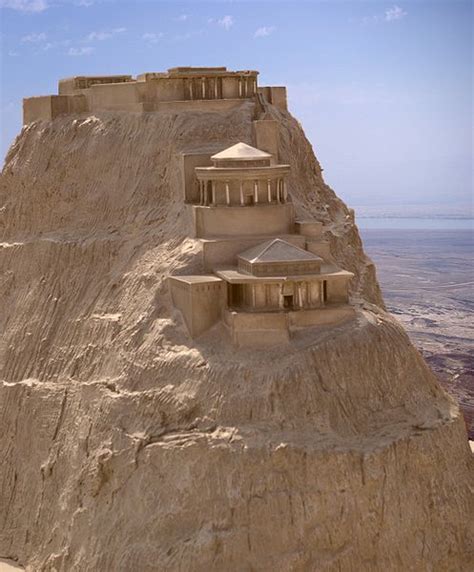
x,y
427,278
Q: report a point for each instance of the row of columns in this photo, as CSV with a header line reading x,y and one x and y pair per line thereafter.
x,y
247,86
204,88
301,296
211,88
205,200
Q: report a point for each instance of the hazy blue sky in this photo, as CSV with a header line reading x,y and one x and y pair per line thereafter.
x,y
383,89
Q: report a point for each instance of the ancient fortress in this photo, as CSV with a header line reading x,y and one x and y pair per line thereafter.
x,y
154,232
178,89
267,274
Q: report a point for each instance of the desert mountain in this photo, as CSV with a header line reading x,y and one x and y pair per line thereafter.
x,y
129,446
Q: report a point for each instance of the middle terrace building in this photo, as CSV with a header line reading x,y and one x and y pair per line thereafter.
x,y
242,175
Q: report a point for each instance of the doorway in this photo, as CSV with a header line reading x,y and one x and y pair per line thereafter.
x,y
288,302
235,295
325,291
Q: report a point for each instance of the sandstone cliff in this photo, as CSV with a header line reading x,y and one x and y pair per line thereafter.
x,y
128,447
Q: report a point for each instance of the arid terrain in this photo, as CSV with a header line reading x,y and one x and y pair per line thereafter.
x,y
127,446
427,279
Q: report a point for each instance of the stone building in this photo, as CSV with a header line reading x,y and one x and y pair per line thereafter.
x,y
265,275
242,175
178,89
271,275
276,275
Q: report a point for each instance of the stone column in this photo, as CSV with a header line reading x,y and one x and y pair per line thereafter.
x,y
213,187
281,300
278,181
203,87
240,87
300,294
216,88
201,193
227,193
241,188
269,190
285,191
255,191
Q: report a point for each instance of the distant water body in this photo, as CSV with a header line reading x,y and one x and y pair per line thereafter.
x,y
413,223
415,217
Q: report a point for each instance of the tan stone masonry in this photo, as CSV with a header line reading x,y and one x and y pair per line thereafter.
x,y
283,282
213,89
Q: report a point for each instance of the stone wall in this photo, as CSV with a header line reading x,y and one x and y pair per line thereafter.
x,y
321,317
267,137
234,221
275,96
201,304
48,107
73,85
116,97
257,329
337,290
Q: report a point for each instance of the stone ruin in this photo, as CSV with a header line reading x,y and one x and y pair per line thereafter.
x,y
178,89
268,272
271,274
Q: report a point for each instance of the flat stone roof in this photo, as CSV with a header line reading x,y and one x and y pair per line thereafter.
x,y
197,279
234,276
197,72
278,250
122,78
242,172
197,69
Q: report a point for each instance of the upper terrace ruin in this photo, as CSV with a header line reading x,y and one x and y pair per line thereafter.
x,y
180,88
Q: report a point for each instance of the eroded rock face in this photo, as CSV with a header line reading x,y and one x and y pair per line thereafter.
x,y
128,447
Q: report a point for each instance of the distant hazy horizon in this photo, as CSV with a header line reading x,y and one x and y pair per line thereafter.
x,y
433,211
382,89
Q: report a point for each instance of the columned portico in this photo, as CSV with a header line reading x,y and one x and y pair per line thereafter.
x,y
242,175
277,276
242,191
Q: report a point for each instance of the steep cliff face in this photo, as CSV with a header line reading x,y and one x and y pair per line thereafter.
x,y
129,447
